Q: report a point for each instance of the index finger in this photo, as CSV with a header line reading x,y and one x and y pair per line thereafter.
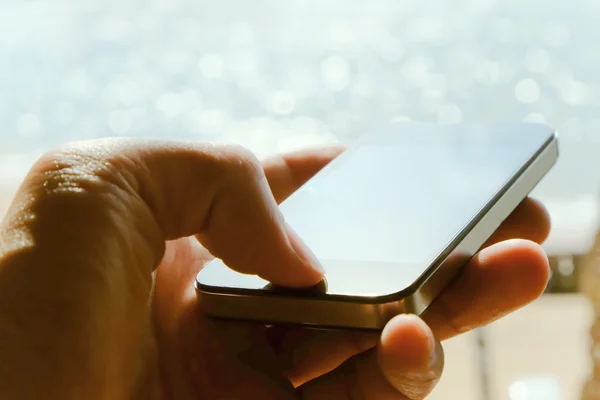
x,y
287,172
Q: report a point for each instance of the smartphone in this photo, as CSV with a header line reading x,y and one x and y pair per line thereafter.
x,y
393,220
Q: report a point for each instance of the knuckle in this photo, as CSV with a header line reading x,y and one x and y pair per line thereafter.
x,y
68,171
77,168
240,162
83,184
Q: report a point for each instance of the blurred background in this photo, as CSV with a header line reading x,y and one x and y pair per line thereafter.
x,y
278,75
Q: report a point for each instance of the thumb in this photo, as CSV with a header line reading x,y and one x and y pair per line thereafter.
x,y
221,195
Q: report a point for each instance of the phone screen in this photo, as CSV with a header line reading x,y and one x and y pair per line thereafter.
x,y
388,207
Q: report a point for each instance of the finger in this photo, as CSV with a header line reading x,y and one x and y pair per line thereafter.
x,y
499,280
288,172
305,354
244,227
530,220
405,365
285,173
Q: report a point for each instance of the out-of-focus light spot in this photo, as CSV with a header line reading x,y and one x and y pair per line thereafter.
x,y
535,388
340,32
487,72
535,118
593,130
163,6
211,66
335,73
431,100
394,100
571,130
481,6
170,104
518,391
303,83
490,72
437,81
242,33
576,93
427,29
303,125
29,125
78,84
527,91
557,75
537,61
120,121
282,103
64,113
362,86
416,70
206,121
177,63
557,35
190,99
115,29
124,91
566,266
504,30
401,119
339,121
449,114
243,65
392,50
139,118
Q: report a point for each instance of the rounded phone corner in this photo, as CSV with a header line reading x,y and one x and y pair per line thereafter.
x,y
202,286
400,295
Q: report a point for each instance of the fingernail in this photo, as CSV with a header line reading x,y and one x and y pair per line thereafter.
x,y
408,356
431,340
431,343
303,252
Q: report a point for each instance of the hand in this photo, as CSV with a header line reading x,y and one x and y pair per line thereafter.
x,y
81,318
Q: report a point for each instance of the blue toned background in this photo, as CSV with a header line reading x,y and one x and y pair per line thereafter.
x,y
274,74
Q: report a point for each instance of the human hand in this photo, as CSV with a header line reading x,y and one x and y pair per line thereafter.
x,y
80,318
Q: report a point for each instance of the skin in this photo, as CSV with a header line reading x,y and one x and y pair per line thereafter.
x,y
100,248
